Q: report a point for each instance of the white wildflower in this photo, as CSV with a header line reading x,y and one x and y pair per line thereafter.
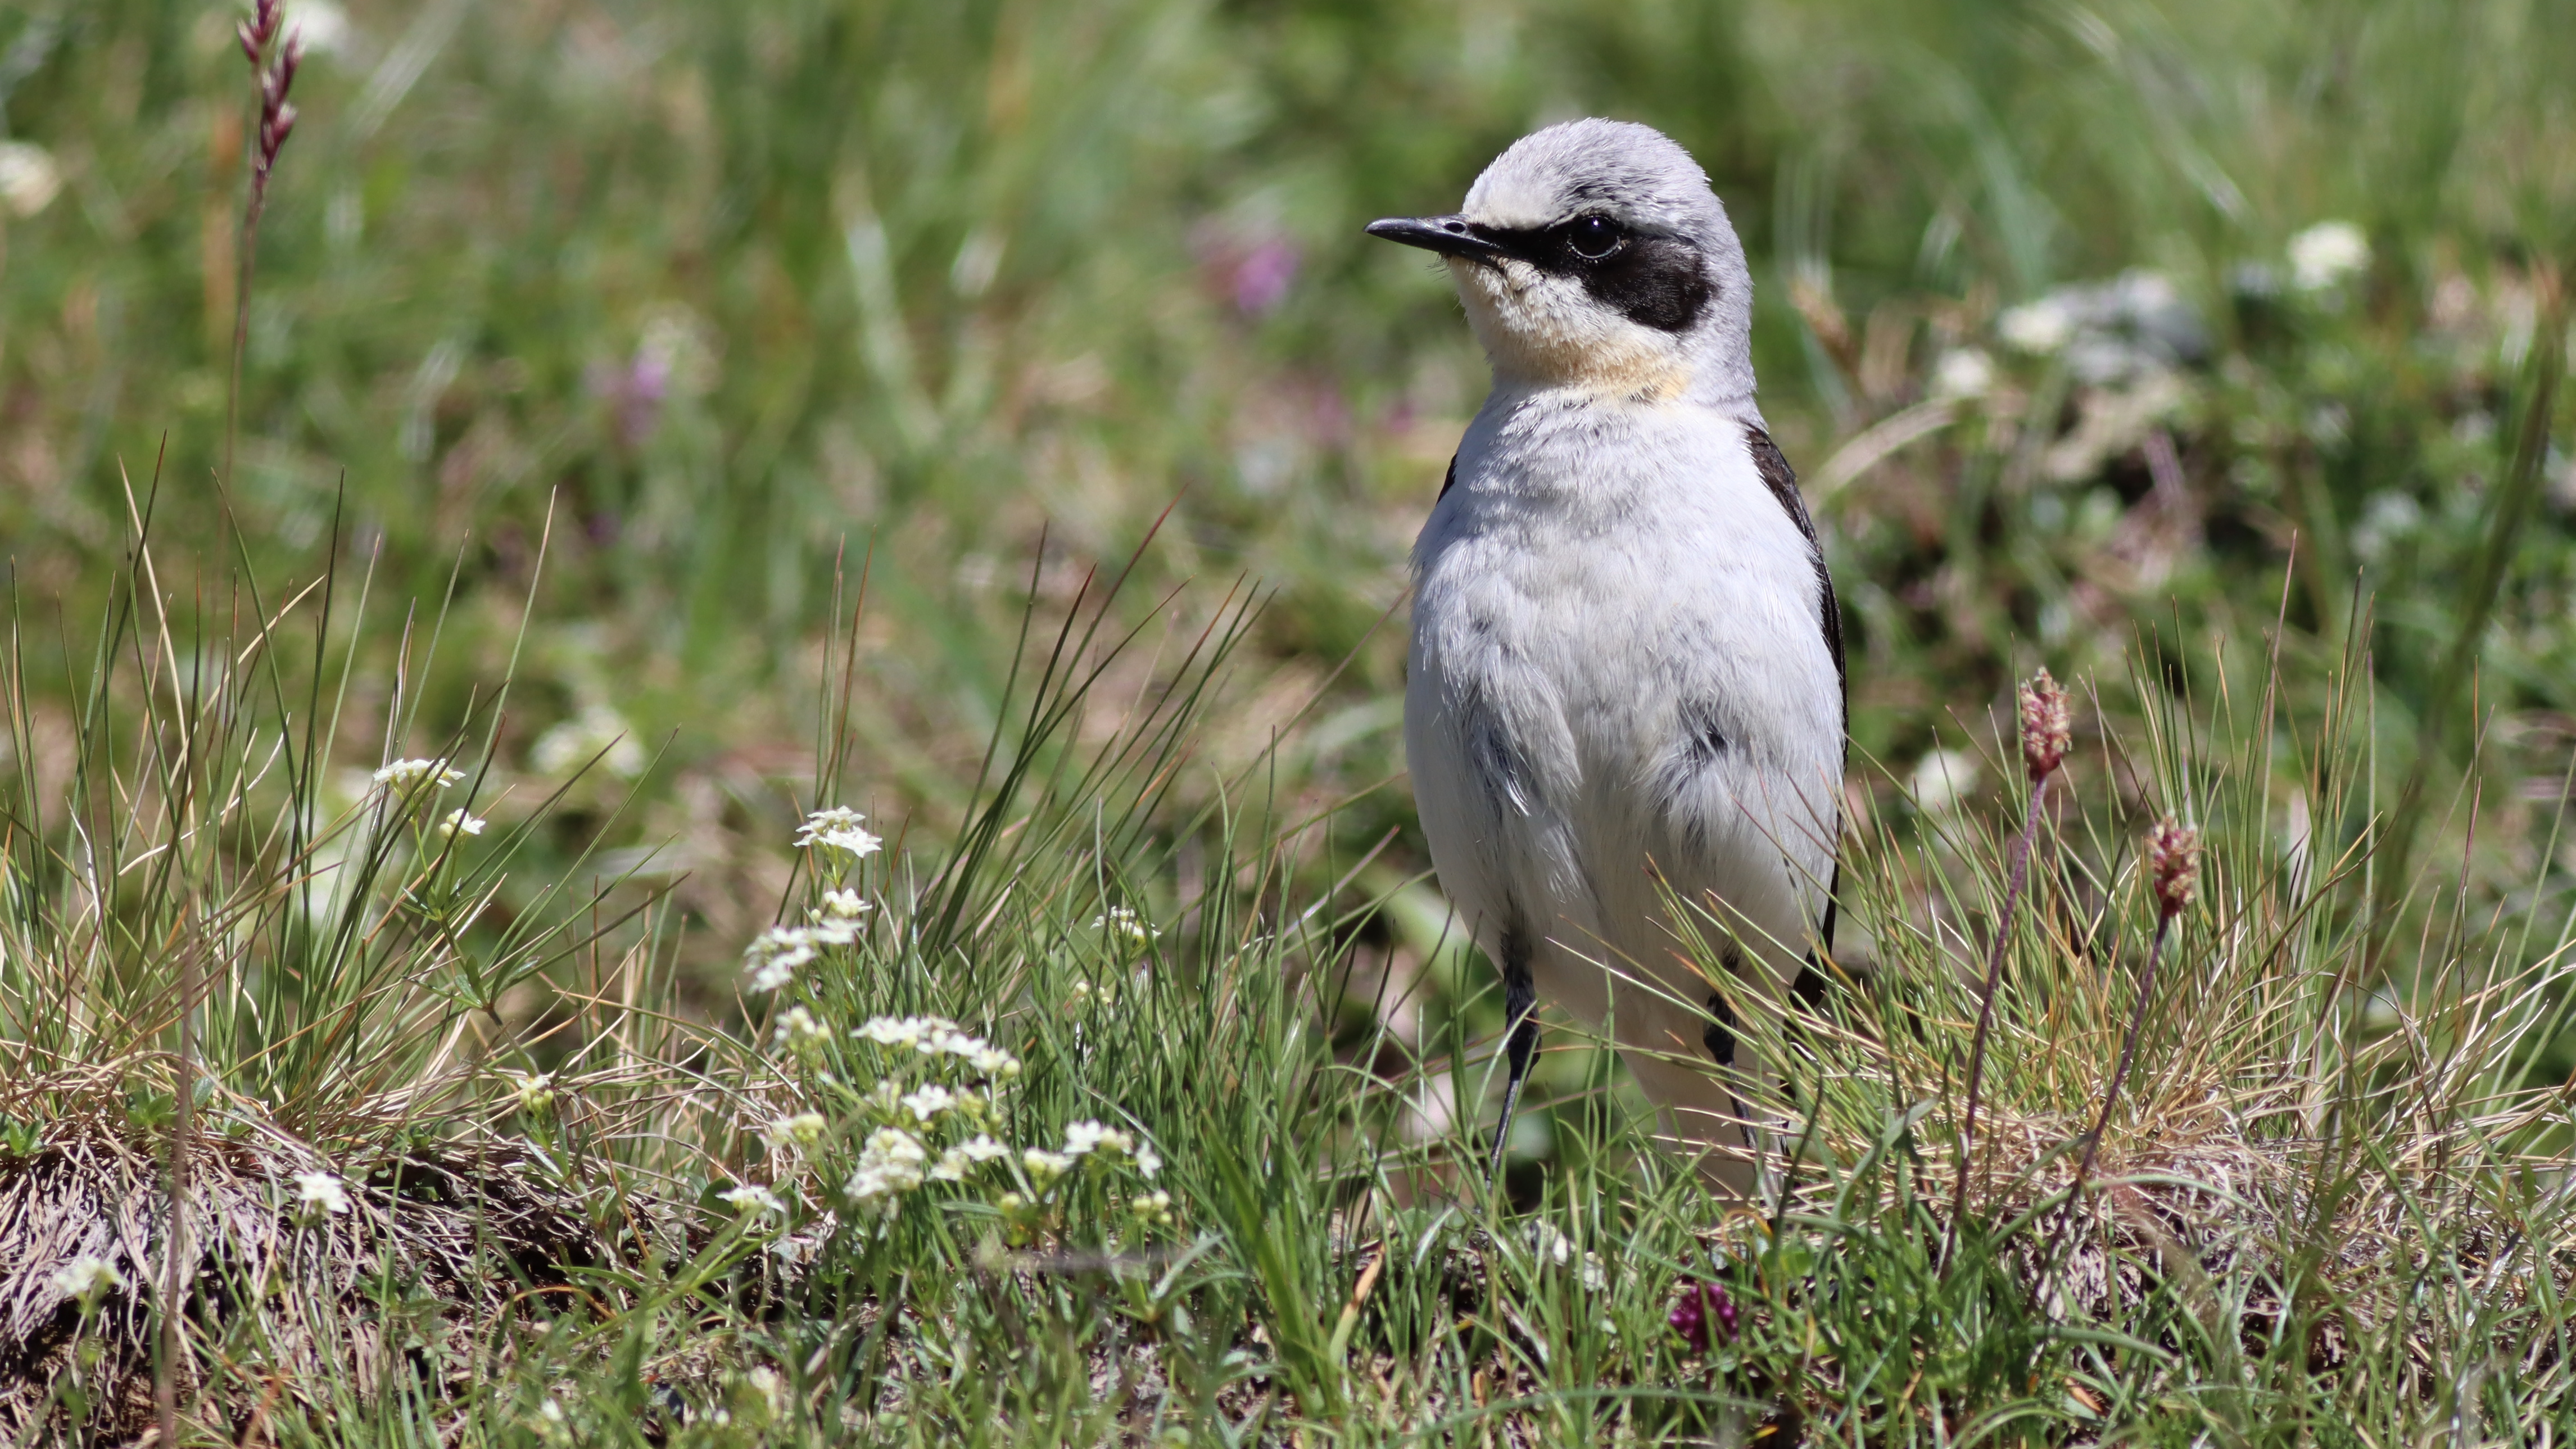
x,y
750,1199
981,1148
839,829
2038,328
87,1279
774,956
535,1090
318,1193
841,904
405,776
798,1027
1086,1137
1153,1207
1148,1161
1964,372
1551,1245
992,1061
900,1031
1044,1166
801,1131
29,179
891,1165
2327,255
1942,778
931,1102
459,823
597,733
1119,920
951,1167
945,1041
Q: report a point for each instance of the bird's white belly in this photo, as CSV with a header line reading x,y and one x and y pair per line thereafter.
x,y
1591,710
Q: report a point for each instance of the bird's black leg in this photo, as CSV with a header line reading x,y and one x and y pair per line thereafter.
x,y
1520,1037
1719,1038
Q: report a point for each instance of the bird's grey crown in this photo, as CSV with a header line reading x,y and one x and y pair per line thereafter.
x,y
1632,172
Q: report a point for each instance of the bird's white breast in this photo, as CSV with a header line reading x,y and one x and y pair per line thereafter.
x,y
1605,590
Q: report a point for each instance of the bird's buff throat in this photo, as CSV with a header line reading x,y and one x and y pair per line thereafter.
x,y
1537,338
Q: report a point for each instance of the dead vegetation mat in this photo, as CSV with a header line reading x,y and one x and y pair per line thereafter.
x,y
440,1247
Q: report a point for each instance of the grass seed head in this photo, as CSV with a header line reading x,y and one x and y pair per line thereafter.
x,y
2046,726
2173,858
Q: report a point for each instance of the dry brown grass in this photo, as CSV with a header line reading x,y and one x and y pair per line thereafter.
x,y
444,1244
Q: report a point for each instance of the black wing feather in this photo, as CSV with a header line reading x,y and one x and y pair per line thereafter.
x,y
1783,483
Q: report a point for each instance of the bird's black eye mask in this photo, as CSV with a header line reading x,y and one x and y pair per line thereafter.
x,y
1654,278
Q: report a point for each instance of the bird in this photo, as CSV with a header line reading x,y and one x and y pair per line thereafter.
x,y
1625,685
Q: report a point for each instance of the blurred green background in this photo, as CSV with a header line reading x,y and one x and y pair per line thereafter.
x,y
2074,316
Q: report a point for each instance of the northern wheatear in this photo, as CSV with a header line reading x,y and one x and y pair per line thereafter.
x,y
1627,665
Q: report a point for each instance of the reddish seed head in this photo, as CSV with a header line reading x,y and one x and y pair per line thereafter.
x,y
2173,860
2046,726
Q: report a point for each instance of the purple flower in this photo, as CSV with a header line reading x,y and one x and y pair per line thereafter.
x,y
1262,277
1704,1311
1253,269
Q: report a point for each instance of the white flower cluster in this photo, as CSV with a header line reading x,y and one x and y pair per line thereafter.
x,y
459,823
974,1152
840,905
320,1193
1042,1171
1122,921
837,828
891,1166
799,1030
1963,372
406,776
2327,255
29,177
933,1036
2111,333
801,1131
535,1091
773,957
1552,1246
754,1201
2039,328
597,733
935,1109
1084,1138
87,1279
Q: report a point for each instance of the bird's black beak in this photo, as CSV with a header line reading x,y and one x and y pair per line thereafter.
x,y
1450,236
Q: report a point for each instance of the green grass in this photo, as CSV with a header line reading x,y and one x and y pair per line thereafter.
x,y
881,405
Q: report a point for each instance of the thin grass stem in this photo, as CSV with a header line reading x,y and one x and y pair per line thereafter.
x,y
2017,874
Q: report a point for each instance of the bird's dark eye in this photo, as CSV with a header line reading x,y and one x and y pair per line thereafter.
x,y
1594,237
